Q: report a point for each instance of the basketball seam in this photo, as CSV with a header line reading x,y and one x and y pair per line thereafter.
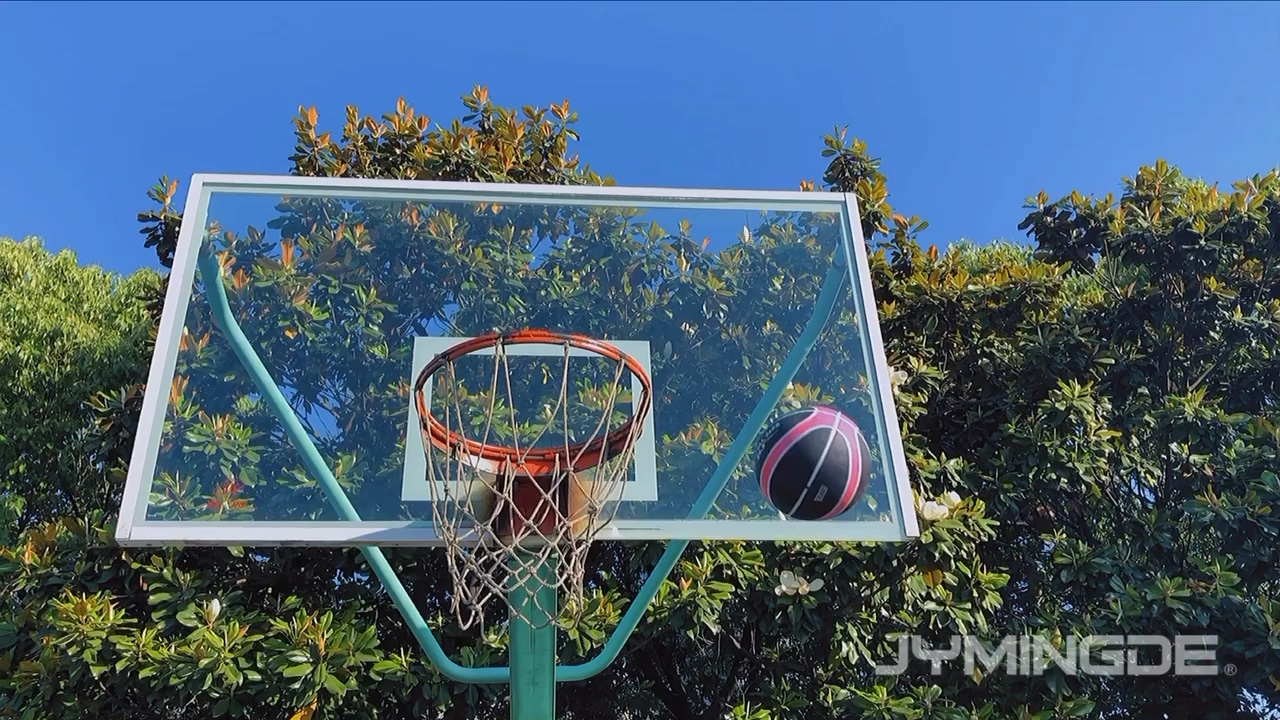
x,y
817,468
854,480
782,446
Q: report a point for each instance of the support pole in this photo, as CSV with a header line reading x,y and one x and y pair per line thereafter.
x,y
532,649
832,286
532,635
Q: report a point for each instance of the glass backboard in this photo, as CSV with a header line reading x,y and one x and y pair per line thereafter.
x,y
343,289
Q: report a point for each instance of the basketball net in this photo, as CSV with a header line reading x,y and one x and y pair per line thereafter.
x,y
525,512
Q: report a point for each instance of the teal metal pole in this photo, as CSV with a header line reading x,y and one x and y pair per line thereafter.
x,y
832,286
211,274
825,305
532,637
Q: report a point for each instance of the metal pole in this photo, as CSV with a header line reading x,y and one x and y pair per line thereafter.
x,y
535,651
832,286
211,274
532,636
825,306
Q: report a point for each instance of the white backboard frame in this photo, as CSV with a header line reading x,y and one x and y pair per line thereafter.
x,y
133,529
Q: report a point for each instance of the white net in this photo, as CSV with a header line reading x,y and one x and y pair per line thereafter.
x,y
519,492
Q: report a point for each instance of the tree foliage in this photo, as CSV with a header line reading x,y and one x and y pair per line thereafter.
x,y
1091,427
67,333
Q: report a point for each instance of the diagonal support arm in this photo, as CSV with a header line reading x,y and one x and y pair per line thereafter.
x,y
822,310
211,274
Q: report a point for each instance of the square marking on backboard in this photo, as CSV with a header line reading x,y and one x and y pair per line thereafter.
x,y
641,486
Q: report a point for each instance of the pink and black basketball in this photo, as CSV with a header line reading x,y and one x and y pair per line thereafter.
x,y
814,463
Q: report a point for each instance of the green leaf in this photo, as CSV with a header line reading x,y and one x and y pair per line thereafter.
x,y
334,685
1081,708
1056,682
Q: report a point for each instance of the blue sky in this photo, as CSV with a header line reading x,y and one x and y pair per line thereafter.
x,y
972,107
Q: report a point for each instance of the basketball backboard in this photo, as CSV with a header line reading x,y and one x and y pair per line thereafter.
x,y
341,290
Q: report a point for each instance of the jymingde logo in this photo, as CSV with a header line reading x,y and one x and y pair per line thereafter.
x,y
1091,655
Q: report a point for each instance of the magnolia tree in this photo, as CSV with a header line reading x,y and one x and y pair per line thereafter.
x,y
1090,423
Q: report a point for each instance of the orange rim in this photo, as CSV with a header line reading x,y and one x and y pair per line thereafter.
x,y
537,462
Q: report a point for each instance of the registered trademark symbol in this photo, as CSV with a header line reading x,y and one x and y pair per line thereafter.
x,y
1229,669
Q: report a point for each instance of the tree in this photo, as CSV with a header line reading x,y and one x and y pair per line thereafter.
x,y
1091,425
66,333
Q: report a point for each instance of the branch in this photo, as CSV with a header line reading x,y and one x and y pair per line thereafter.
x,y
745,652
721,696
660,675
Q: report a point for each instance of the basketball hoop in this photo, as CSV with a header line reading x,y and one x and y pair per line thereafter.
x,y
507,508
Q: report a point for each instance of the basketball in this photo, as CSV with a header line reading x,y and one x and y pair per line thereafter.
x,y
814,463
537,509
